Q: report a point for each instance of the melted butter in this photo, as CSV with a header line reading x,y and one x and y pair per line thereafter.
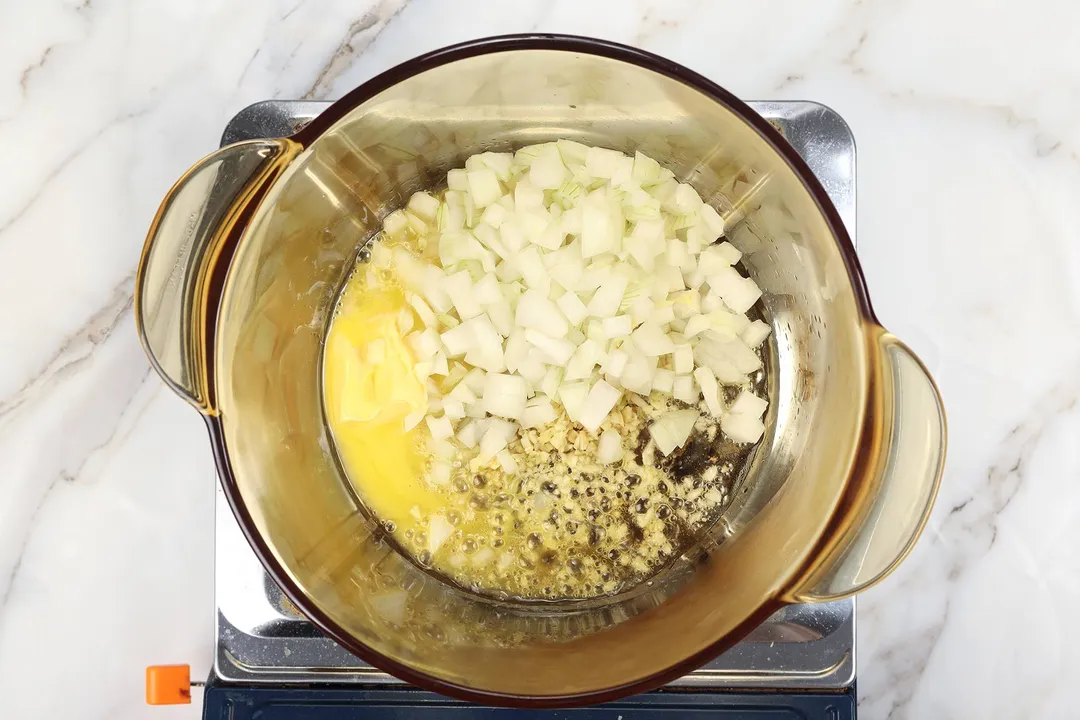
x,y
369,387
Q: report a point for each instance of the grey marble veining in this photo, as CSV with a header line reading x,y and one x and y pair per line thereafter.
x,y
969,170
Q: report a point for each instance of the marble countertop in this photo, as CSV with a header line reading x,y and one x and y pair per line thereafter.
x,y
968,127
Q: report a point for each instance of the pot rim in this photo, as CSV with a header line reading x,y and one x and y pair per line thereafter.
x,y
369,89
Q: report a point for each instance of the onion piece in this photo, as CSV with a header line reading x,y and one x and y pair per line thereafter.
x,y
413,419
618,326
683,389
547,171
605,303
558,349
505,395
663,380
673,429
572,396
552,379
599,402
747,403
459,288
710,390
497,436
599,233
469,434
755,333
487,291
609,449
601,162
484,555
395,224
493,216
637,375
501,315
572,152
534,367
714,355
739,293
714,260
536,311
423,344
516,350
742,428
615,363
423,311
712,220
683,359
453,409
652,341
439,474
484,187
646,171
439,364
507,463
424,204
439,531
587,356
572,307
539,414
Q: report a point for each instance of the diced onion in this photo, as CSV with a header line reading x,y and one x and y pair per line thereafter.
x,y
484,187
710,390
747,403
672,429
572,307
605,303
567,275
652,341
496,437
558,349
439,531
538,415
572,396
598,403
536,311
440,428
683,360
663,380
609,450
755,333
424,204
507,463
712,220
505,395
682,388
617,326
395,223
742,428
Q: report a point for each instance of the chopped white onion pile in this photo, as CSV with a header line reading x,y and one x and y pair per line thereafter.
x,y
566,276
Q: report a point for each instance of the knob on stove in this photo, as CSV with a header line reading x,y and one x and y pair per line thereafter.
x,y
169,684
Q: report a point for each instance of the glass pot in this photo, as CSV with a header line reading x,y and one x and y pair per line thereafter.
x,y
249,249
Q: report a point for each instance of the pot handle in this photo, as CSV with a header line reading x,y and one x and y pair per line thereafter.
x,y
894,487
187,251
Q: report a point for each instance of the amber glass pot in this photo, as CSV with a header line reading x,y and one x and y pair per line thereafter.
x,y
249,249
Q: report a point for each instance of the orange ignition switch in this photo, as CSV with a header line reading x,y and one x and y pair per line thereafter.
x,y
168,685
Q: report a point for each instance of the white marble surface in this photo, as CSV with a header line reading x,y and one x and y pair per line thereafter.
x,y
968,124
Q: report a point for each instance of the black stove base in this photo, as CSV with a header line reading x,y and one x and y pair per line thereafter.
x,y
336,702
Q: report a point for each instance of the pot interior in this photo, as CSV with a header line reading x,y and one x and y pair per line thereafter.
x,y
294,257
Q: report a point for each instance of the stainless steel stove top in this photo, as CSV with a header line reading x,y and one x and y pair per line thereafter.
x,y
262,639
